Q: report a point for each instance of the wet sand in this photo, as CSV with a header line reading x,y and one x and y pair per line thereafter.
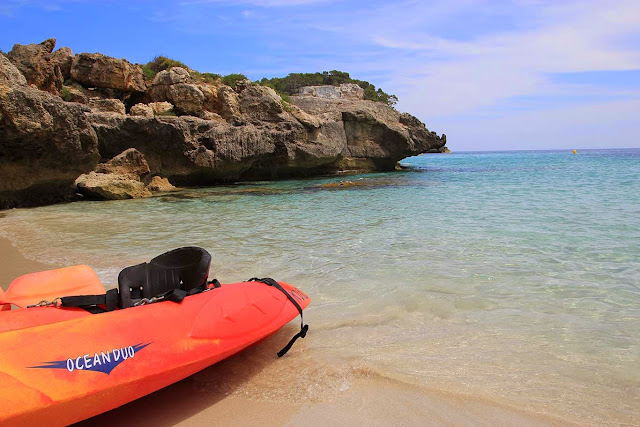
x,y
13,264
239,391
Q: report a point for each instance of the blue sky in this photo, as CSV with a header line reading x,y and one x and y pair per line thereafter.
x,y
526,74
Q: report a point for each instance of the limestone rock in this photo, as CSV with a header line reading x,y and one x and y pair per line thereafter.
x,y
172,76
191,132
309,121
130,163
96,70
176,86
211,102
9,74
45,143
74,93
160,184
316,135
344,91
261,104
107,105
241,85
143,110
208,115
230,105
162,108
49,44
375,135
35,62
187,99
190,150
110,186
63,58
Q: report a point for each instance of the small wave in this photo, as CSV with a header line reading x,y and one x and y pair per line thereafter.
x,y
298,378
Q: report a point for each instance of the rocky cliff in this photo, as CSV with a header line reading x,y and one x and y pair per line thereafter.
x,y
63,115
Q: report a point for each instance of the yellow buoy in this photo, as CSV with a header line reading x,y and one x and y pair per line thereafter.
x,y
575,151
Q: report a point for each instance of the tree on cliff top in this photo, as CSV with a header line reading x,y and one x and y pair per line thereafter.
x,y
285,86
290,84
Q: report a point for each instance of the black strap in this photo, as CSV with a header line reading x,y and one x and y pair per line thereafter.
x,y
174,295
108,299
301,334
303,328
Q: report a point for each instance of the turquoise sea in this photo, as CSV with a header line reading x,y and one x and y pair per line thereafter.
x,y
512,276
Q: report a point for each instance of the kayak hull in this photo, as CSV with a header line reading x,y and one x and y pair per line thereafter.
x,y
59,366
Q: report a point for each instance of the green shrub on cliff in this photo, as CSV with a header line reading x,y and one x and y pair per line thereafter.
x,y
207,77
232,79
290,84
161,63
284,97
65,94
149,74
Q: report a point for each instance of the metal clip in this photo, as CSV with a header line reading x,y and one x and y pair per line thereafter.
x,y
45,303
145,301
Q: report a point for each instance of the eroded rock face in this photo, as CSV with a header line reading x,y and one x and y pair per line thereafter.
x,y
162,108
175,86
261,104
119,178
186,149
63,58
130,163
345,91
264,138
107,106
172,76
9,74
35,62
96,70
160,184
74,93
45,143
110,186
143,110
230,105
193,133
375,136
188,97
308,120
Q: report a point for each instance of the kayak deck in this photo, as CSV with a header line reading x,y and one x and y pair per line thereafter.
x,y
63,365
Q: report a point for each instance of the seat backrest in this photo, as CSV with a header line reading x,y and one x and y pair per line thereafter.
x,y
183,268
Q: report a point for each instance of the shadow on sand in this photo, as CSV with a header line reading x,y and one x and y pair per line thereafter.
x,y
186,398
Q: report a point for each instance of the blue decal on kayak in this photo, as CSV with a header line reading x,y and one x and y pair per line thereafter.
x,y
104,361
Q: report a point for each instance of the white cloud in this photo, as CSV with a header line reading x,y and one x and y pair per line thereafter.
x,y
439,77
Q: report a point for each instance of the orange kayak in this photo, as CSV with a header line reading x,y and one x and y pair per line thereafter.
x,y
60,365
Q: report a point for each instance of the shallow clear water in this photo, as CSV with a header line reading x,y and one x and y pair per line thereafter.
x,y
513,276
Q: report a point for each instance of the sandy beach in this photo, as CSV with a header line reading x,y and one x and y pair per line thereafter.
x,y
14,264
241,390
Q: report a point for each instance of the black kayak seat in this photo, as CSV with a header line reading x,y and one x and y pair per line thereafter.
x,y
183,268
